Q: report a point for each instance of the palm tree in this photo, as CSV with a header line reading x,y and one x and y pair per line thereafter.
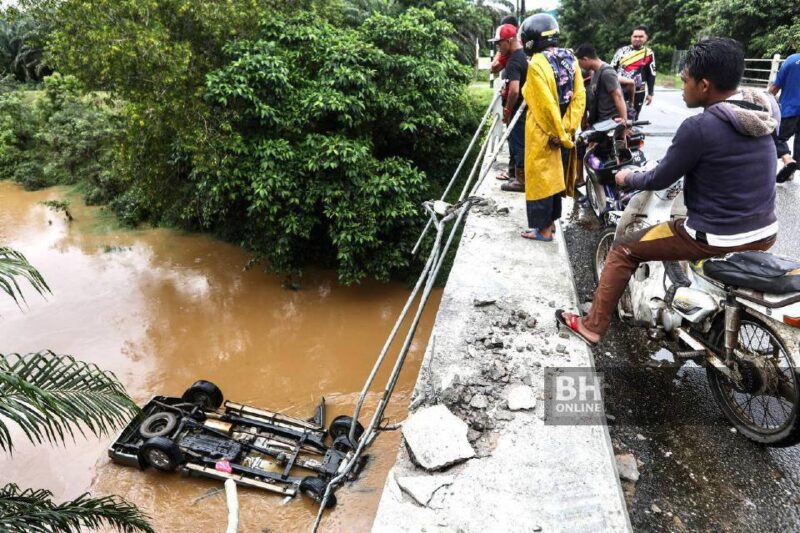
x,y
20,49
49,396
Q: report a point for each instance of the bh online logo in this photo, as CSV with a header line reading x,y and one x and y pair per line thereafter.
x,y
573,396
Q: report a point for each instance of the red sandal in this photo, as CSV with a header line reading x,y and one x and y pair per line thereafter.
x,y
570,320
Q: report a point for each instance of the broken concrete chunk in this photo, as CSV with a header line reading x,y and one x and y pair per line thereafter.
x,y
521,397
626,465
479,401
422,488
482,303
504,415
437,438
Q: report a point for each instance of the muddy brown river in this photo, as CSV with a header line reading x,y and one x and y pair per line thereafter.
x,y
162,309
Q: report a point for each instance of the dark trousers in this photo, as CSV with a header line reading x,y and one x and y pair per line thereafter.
x,y
665,242
516,141
789,126
544,212
638,102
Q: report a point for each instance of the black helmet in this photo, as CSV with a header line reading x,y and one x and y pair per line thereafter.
x,y
538,32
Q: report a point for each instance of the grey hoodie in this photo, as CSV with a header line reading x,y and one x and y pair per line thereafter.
x,y
728,158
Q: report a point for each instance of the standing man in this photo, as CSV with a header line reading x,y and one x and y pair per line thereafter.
x,y
515,73
605,92
788,83
638,63
498,68
556,100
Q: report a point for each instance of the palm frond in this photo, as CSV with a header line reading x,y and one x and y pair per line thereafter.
x,y
14,265
48,395
33,511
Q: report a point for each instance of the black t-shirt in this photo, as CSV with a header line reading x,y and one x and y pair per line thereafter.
x,y
604,83
517,70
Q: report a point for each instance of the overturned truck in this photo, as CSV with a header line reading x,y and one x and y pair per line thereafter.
x,y
199,434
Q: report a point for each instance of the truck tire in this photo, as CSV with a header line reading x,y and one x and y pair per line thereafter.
x,y
158,425
204,394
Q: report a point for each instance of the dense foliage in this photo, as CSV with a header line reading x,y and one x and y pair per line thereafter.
x,y
58,136
765,27
305,143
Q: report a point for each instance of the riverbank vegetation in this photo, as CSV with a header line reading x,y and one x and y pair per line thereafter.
x,y
308,131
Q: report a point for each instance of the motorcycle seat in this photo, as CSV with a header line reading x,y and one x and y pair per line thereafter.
x,y
758,271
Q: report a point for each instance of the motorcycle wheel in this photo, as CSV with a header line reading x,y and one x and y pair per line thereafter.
x,y
591,195
601,251
765,405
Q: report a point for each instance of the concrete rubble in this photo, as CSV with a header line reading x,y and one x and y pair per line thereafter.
x,y
436,438
627,467
495,336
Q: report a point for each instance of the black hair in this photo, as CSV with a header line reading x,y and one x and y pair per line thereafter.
x,y
641,27
587,51
719,60
509,19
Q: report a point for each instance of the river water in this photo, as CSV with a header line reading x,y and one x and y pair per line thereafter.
x,y
162,309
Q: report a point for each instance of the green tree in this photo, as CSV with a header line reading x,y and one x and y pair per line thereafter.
x,y
305,143
49,396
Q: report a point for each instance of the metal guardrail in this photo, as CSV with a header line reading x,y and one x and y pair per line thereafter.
x,y
758,72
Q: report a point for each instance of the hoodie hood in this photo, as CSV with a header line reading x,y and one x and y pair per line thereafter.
x,y
750,122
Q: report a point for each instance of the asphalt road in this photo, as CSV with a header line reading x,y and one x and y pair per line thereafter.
x,y
696,473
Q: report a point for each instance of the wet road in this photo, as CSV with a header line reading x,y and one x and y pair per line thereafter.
x,y
696,474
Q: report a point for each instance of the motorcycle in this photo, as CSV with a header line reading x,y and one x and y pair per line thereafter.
x,y
738,315
611,147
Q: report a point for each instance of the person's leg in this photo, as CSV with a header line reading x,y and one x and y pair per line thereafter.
x,y
788,128
517,138
540,217
638,102
664,242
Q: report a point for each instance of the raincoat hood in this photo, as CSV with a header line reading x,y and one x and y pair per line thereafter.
x,y
744,117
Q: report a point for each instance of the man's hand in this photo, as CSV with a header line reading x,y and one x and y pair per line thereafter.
x,y
506,115
648,99
554,142
621,175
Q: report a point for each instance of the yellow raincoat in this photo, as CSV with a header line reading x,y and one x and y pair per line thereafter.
x,y
544,173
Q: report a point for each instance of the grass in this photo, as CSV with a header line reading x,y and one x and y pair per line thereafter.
x,y
481,93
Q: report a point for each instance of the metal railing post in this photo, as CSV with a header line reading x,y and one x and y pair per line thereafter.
x,y
776,64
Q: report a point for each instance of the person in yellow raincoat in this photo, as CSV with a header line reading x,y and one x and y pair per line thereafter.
x,y
556,101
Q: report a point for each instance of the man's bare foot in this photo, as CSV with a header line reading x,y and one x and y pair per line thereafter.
x,y
590,335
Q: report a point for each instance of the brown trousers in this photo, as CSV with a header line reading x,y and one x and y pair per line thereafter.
x,y
664,242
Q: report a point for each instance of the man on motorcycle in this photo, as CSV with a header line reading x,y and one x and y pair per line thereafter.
x,y
727,158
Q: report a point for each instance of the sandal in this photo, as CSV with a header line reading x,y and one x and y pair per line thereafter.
x,y
502,176
571,322
534,235
513,186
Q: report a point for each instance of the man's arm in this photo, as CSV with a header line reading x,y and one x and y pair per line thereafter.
x,y
511,100
682,156
497,63
619,103
616,59
773,89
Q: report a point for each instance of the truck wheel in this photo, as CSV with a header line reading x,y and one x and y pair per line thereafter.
x,y
342,444
315,488
158,425
204,394
161,453
341,426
